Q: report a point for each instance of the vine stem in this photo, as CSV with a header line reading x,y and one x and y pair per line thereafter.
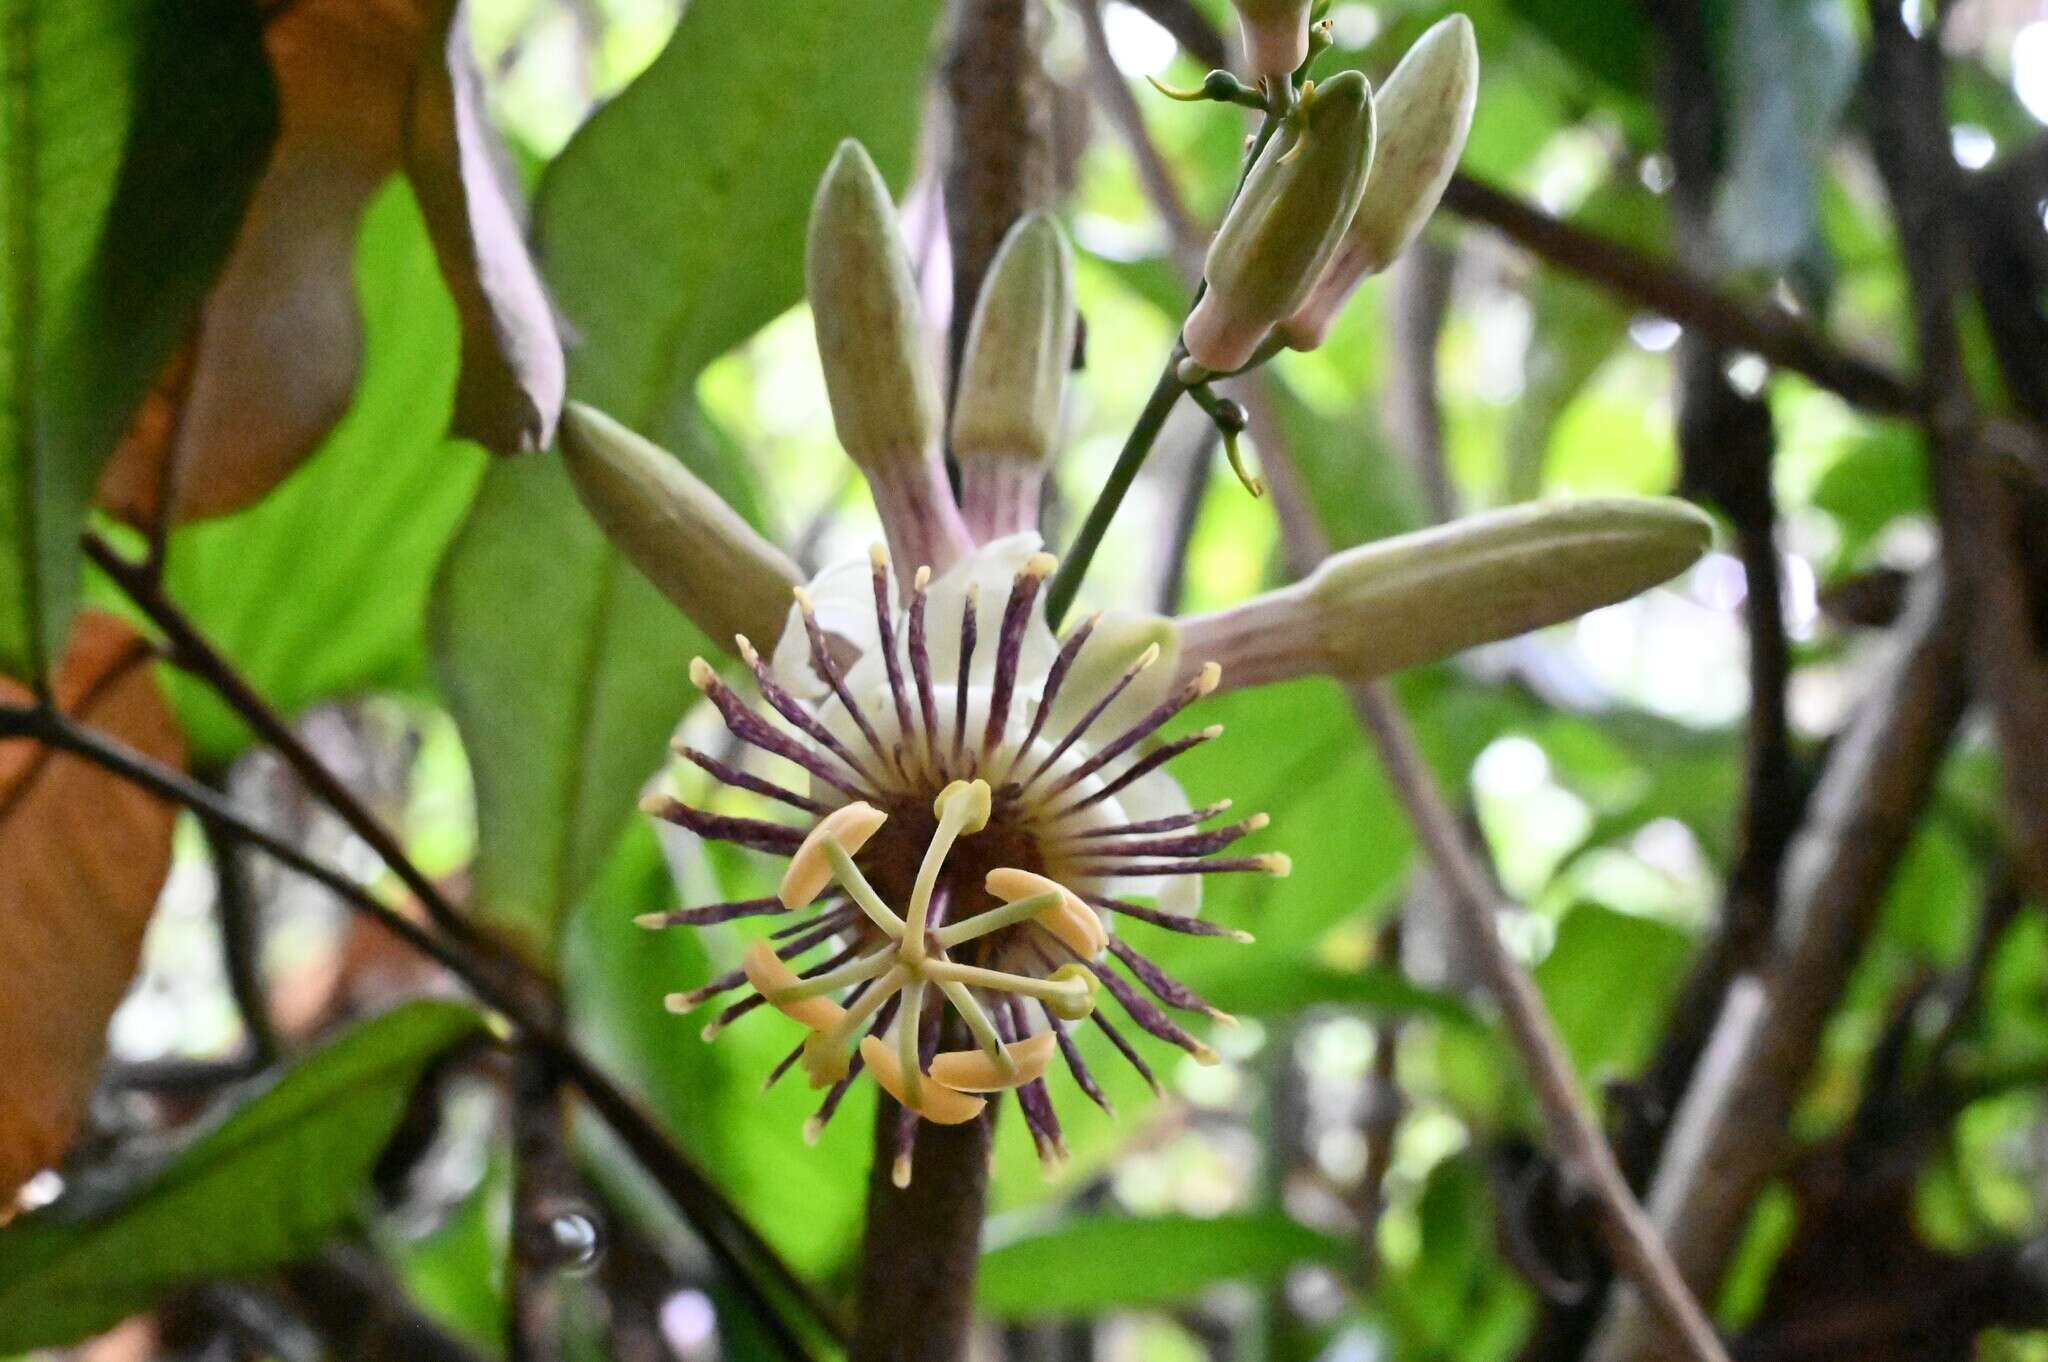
x,y
1066,582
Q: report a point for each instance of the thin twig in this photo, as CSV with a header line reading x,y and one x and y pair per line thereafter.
x,y
1677,293
1066,582
192,652
1638,1249
735,1243
1727,1139
241,939
1113,91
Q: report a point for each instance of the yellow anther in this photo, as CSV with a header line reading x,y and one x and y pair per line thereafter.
x,y
1069,919
1039,565
977,1071
825,1060
702,673
810,869
1277,864
771,978
940,1105
1210,677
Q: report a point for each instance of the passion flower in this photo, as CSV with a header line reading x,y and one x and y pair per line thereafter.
x,y
982,801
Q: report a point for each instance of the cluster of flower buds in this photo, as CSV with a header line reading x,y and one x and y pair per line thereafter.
x,y
1339,189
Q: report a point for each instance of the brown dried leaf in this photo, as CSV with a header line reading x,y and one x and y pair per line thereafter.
x,y
83,855
509,395
364,90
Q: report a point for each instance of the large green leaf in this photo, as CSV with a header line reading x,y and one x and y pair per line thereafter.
x,y
670,229
565,670
1607,982
672,226
130,135
1082,1266
319,590
269,1183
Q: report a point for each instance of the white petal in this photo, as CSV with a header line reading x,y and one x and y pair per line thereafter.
x,y
992,568
843,596
1159,795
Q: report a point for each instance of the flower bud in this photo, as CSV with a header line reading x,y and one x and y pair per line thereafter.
x,y
1420,597
1013,377
1275,34
681,536
1424,112
878,372
1286,223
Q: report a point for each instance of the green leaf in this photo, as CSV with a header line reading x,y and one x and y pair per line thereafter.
x,y
269,1183
672,226
670,229
130,136
1607,981
1610,39
318,591
1082,1266
1790,67
1261,983
566,671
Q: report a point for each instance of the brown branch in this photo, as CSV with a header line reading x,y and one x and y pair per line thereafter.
x,y
1989,528
1638,1250
921,1249
541,1168
999,166
1728,1138
922,1244
1676,292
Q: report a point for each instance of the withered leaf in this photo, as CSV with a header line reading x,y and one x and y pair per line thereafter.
x,y
509,394
365,89
83,856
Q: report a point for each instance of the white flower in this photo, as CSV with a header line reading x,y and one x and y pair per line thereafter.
x,y
984,799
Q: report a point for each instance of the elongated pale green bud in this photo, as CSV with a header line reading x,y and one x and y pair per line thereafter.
x,y
1275,34
878,372
1425,112
679,533
1419,597
1013,378
1286,224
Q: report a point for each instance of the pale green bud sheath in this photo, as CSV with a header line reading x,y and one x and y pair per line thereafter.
x,y
878,369
1285,225
1013,378
1420,597
1275,35
679,533
1424,113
